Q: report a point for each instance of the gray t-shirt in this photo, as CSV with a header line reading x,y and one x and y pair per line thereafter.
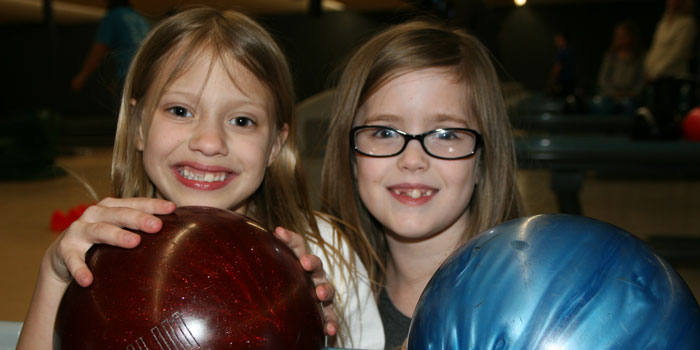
x,y
395,323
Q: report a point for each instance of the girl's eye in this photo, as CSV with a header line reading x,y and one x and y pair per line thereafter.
x,y
385,133
180,111
446,135
242,121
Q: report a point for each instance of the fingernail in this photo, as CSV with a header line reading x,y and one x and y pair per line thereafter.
x,y
131,238
152,223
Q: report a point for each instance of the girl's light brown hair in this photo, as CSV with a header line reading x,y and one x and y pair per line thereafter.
x,y
404,48
166,53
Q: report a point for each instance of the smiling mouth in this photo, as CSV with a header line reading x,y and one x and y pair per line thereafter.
x,y
413,193
202,176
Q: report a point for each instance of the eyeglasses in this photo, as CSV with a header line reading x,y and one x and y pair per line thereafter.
x,y
446,143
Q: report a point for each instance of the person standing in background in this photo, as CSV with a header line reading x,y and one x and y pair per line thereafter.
x,y
562,80
670,84
621,75
120,32
673,42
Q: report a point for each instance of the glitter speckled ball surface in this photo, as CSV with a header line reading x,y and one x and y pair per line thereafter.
x,y
211,279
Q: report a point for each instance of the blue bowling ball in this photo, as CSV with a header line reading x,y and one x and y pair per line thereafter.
x,y
555,282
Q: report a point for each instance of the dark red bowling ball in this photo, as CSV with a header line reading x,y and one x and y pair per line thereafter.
x,y
691,125
211,279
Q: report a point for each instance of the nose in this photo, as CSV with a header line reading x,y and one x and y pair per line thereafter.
x,y
208,138
413,158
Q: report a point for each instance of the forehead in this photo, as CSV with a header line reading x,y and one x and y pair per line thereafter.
x,y
206,60
436,76
427,95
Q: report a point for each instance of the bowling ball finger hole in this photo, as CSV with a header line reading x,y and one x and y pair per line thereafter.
x,y
519,245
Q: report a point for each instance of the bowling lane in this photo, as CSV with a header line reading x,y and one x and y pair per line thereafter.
x,y
25,211
587,163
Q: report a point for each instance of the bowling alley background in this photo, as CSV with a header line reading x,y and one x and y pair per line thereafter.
x,y
40,58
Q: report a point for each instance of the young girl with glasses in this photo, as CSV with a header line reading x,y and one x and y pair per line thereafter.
x,y
419,159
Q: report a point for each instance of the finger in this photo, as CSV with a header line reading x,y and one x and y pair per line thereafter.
x,y
331,328
127,217
72,246
325,291
74,260
331,320
292,239
147,205
313,264
79,270
281,234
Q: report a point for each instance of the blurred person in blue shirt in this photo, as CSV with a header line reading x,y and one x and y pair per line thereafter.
x,y
120,33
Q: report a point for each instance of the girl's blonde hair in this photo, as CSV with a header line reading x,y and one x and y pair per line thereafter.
x,y
166,53
408,47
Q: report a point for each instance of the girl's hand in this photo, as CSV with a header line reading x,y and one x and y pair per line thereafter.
x,y
312,264
103,223
100,223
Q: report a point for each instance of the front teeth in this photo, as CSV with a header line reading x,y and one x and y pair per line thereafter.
x,y
202,177
415,193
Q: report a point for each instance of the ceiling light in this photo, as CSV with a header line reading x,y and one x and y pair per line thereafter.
x,y
333,5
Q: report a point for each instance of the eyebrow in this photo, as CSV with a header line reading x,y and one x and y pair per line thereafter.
x,y
245,100
437,118
382,118
450,118
181,92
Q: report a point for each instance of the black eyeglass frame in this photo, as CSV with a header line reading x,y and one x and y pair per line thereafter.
x,y
478,140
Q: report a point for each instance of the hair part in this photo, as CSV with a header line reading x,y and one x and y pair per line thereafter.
x,y
410,47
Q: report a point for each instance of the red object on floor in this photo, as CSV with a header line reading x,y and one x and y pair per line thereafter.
x,y
60,220
691,125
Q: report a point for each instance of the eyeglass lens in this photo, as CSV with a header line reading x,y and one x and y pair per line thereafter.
x,y
445,143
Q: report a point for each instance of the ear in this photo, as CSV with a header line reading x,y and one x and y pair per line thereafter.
x,y
278,143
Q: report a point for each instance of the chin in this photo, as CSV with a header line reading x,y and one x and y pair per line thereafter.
x,y
409,232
